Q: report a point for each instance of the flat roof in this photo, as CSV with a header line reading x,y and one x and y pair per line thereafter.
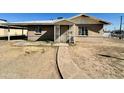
x,y
42,22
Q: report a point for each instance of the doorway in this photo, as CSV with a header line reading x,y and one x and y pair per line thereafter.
x,y
64,33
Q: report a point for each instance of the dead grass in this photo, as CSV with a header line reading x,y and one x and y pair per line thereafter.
x,y
27,62
95,57
99,57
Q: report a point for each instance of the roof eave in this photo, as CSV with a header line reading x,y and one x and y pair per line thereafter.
x,y
105,23
24,24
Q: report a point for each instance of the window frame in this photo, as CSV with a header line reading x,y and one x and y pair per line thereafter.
x,y
82,31
38,30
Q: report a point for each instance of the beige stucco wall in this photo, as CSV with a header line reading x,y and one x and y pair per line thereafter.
x,y
75,29
46,34
94,30
94,27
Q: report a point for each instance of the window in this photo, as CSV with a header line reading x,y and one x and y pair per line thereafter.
x,y
38,30
83,31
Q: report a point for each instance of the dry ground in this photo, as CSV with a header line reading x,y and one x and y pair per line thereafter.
x,y
94,57
99,57
27,62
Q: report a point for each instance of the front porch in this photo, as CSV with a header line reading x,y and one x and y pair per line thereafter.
x,y
63,34
55,33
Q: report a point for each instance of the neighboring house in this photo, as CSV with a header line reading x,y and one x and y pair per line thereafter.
x,y
107,34
12,31
117,33
63,30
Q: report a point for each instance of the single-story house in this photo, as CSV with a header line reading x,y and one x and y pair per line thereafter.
x,y
63,30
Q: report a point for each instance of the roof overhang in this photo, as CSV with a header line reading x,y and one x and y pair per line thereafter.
x,y
54,22
6,25
26,24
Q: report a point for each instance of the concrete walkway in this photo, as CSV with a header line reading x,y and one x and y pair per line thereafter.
x,y
67,67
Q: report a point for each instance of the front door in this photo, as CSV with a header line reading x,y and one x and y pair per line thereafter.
x,y
64,33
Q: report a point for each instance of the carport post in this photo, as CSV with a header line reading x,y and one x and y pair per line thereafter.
x,y
8,33
54,33
57,33
73,33
69,35
22,31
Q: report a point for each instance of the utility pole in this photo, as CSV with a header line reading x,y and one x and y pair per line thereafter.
x,y
120,27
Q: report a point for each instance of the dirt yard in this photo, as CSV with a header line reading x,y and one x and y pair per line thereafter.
x,y
90,58
99,57
27,62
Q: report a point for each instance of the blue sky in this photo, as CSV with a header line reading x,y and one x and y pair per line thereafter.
x,y
114,18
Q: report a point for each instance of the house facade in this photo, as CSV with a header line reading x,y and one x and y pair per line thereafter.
x,y
63,30
88,26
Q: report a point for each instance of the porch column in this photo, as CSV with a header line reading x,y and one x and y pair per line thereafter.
x,y
69,34
8,33
22,31
84,31
72,34
56,33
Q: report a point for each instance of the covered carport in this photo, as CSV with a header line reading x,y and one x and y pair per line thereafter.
x,y
10,32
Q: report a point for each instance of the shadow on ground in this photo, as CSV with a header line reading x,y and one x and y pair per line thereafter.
x,y
23,37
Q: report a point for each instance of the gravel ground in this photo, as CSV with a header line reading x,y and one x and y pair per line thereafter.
x,y
27,62
99,57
